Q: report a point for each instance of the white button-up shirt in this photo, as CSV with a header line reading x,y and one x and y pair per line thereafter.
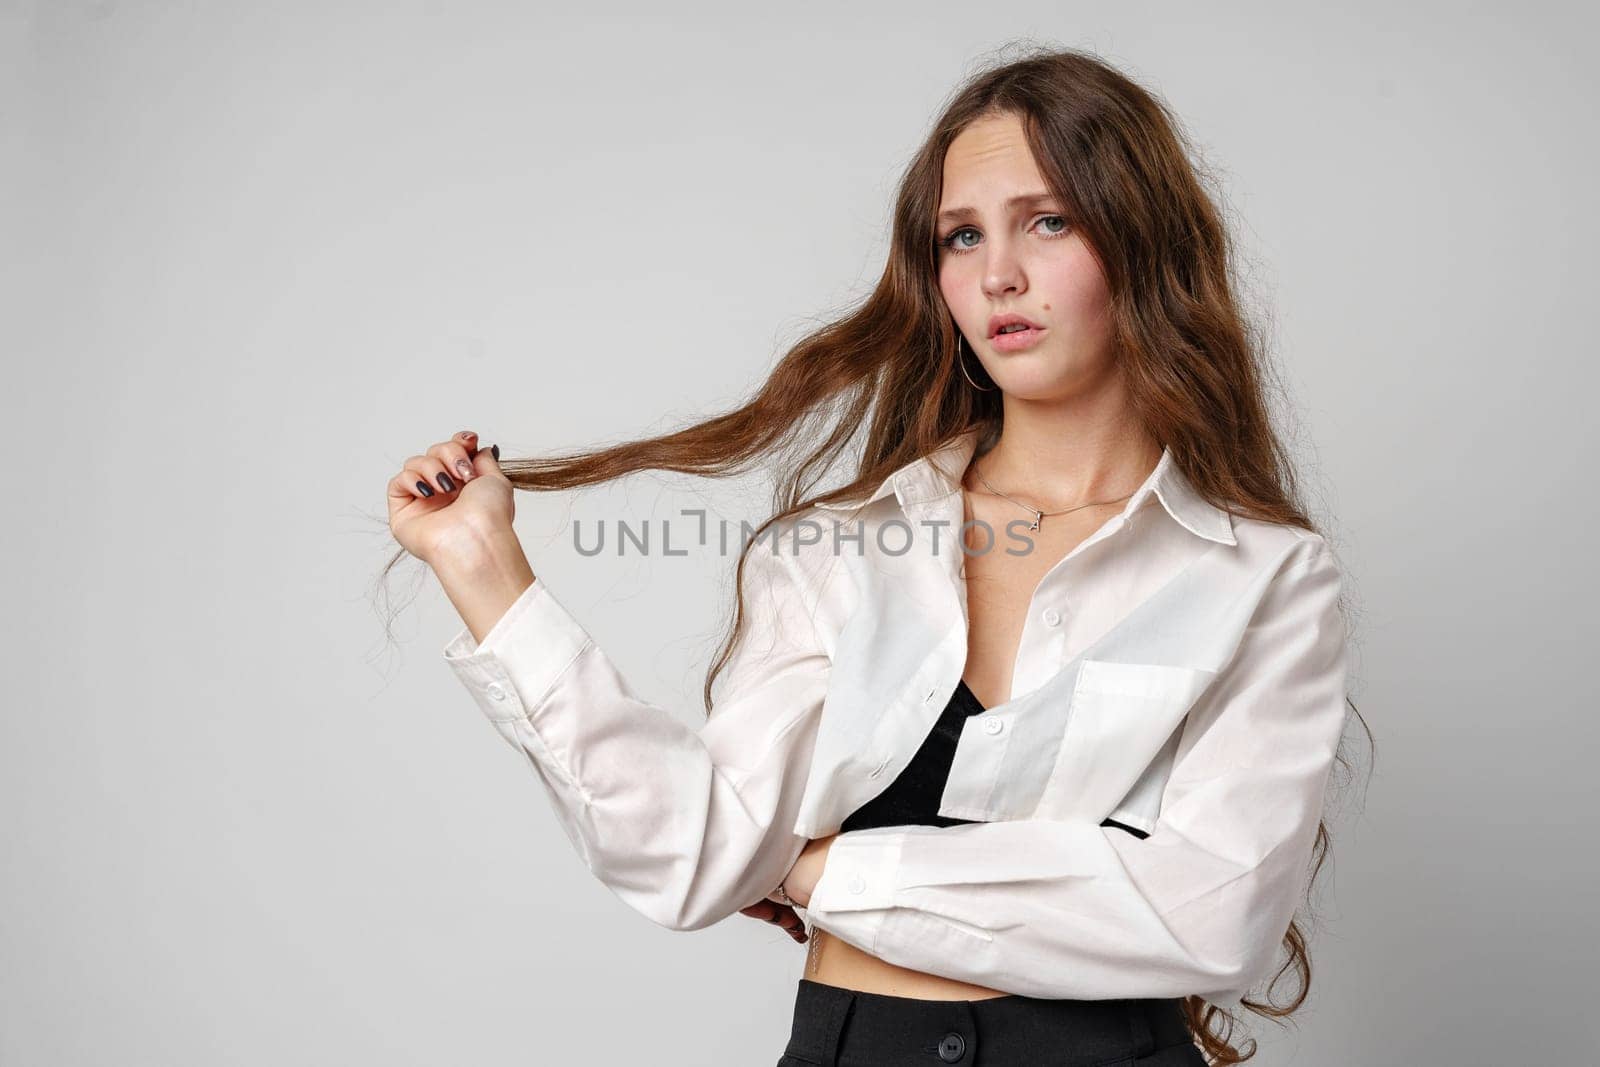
x,y
1181,671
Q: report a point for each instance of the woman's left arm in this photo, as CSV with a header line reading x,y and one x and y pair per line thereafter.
x,y
1071,909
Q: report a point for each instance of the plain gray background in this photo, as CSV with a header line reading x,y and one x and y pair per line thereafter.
x,y
255,255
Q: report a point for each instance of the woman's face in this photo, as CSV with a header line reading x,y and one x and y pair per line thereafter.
x,y
998,254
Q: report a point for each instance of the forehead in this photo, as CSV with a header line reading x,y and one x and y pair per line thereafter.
x,y
990,151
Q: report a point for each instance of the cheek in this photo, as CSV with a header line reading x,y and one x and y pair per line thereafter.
x,y
948,287
963,294
1075,285
1081,303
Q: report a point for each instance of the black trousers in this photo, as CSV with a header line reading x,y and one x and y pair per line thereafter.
x,y
837,1027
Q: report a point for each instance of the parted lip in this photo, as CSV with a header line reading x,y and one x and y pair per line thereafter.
x,y
999,322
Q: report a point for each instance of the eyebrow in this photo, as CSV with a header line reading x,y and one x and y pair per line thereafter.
x,y
960,213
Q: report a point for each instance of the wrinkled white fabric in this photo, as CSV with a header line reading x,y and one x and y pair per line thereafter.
x,y
1181,671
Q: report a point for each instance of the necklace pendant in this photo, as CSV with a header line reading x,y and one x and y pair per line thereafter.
x,y
1038,517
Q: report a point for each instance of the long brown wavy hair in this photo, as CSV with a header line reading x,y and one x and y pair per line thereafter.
x,y
882,379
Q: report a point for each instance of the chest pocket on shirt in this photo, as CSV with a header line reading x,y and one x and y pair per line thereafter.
x,y
1122,736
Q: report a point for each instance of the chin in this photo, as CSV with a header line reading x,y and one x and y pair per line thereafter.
x,y
1021,382
1045,376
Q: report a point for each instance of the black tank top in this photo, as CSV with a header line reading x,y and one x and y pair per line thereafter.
x,y
913,797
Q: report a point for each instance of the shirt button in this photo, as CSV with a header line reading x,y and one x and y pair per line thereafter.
x,y
858,884
994,726
952,1047
496,690
1052,617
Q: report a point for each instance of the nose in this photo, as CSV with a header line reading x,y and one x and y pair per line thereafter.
x,y
1002,272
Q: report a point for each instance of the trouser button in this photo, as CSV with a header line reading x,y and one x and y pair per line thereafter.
x,y
952,1047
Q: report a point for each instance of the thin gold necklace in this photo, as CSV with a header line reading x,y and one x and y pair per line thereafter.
x,y
1038,516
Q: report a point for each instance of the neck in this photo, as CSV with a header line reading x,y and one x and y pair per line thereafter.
x,y
1055,457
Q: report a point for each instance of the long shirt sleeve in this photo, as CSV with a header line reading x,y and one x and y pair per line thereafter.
x,y
685,825
1071,909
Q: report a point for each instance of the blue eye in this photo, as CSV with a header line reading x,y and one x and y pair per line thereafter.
x,y
949,242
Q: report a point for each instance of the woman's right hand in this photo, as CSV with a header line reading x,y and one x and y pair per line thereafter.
x,y
770,909
451,495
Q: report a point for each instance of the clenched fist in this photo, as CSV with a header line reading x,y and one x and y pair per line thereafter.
x,y
450,498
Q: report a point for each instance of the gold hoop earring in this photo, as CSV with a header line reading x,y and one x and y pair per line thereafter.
x,y
962,363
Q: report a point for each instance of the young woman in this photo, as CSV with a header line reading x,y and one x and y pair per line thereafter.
x,y
1033,718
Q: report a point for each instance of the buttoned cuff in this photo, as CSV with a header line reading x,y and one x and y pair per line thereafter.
x,y
859,872
856,889
521,657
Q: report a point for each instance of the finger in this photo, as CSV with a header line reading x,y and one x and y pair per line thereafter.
x,y
431,470
765,910
778,915
487,461
405,487
410,485
785,917
456,455
795,929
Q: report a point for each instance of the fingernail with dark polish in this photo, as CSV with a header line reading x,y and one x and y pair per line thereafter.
x,y
444,482
495,450
422,487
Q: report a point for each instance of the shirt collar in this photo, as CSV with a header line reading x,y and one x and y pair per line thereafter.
x,y
938,474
